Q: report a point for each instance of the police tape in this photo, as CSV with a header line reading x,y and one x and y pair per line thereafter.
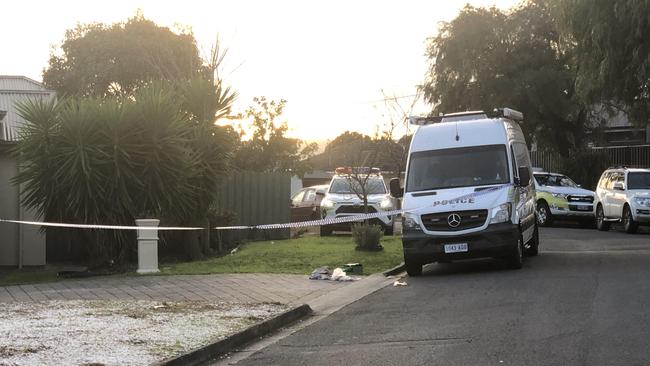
x,y
95,226
290,225
321,222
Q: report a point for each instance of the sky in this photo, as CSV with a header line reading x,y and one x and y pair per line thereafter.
x,y
333,61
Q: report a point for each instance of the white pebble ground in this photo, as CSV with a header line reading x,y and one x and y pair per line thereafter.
x,y
117,332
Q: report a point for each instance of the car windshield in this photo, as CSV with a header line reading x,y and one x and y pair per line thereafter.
x,y
459,167
554,180
343,185
638,180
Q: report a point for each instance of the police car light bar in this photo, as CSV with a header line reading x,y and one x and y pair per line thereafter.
x,y
356,170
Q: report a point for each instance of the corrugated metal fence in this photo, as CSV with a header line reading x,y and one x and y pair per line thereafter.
x,y
255,199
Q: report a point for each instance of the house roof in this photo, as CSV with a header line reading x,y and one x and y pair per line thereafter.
x,y
15,89
20,83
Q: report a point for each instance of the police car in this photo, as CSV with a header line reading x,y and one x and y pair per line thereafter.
x,y
560,197
345,198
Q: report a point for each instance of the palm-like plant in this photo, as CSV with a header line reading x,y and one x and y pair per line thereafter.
x,y
111,160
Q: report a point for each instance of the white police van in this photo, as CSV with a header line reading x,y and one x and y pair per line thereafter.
x,y
468,191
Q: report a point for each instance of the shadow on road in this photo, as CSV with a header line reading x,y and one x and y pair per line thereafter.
x,y
466,267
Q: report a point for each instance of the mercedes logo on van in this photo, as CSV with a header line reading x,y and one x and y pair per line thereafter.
x,y
453,220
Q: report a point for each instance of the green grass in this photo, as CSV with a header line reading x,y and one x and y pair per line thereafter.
x,y
27,276
299,256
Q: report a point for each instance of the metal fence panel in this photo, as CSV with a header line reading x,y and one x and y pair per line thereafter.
x,y
630,156
256,199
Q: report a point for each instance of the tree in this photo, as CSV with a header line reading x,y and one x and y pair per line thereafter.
x,y
100,60
612,51
269,149
393,151
487,58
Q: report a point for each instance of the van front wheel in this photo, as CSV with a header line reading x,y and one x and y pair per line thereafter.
x,y
516,257
413,268
532,248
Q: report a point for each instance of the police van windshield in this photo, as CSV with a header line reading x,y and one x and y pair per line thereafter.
x,y
374,185
459,167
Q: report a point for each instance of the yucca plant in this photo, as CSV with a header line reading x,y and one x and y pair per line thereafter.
x,y
112,160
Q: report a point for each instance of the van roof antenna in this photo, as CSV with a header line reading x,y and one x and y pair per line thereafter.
x,y
457,137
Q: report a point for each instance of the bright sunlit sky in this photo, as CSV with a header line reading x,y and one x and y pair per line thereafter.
x,y
329,59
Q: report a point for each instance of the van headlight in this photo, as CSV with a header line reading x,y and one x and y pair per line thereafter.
x,y
409,222
642,201
326,203
386,204
501,213
562,196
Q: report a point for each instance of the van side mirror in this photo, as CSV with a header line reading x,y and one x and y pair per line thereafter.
x,y
618,186
395,189
524,176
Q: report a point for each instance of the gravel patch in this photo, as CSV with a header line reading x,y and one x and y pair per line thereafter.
x,y
117,332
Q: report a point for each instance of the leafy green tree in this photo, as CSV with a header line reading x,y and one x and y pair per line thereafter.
x,y
100,60
612,51
487,58
269,149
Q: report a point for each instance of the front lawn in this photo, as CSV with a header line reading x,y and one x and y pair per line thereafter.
x,y
26,276
299,256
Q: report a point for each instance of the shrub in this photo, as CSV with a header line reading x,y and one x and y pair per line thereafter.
x,y
111,160
367,236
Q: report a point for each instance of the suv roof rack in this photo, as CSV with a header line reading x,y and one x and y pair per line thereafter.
x,y
508,113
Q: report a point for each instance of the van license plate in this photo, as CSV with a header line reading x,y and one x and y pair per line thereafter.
x,y
455,248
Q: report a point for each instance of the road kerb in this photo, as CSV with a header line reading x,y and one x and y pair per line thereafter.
x,y
231,343
395,270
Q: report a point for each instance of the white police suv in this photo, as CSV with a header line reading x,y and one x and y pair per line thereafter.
x,y
623,195
344,198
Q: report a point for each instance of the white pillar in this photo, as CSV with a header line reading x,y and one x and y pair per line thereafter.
x,y
147,246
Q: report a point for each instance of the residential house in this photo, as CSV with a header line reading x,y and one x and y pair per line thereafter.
x,y
20,245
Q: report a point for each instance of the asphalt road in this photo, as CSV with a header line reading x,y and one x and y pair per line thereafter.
x,y
584,300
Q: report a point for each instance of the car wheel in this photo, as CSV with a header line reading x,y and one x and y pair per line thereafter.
x,y
544,216
413,268
325,230
601,224
628,221
532,248
516,257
